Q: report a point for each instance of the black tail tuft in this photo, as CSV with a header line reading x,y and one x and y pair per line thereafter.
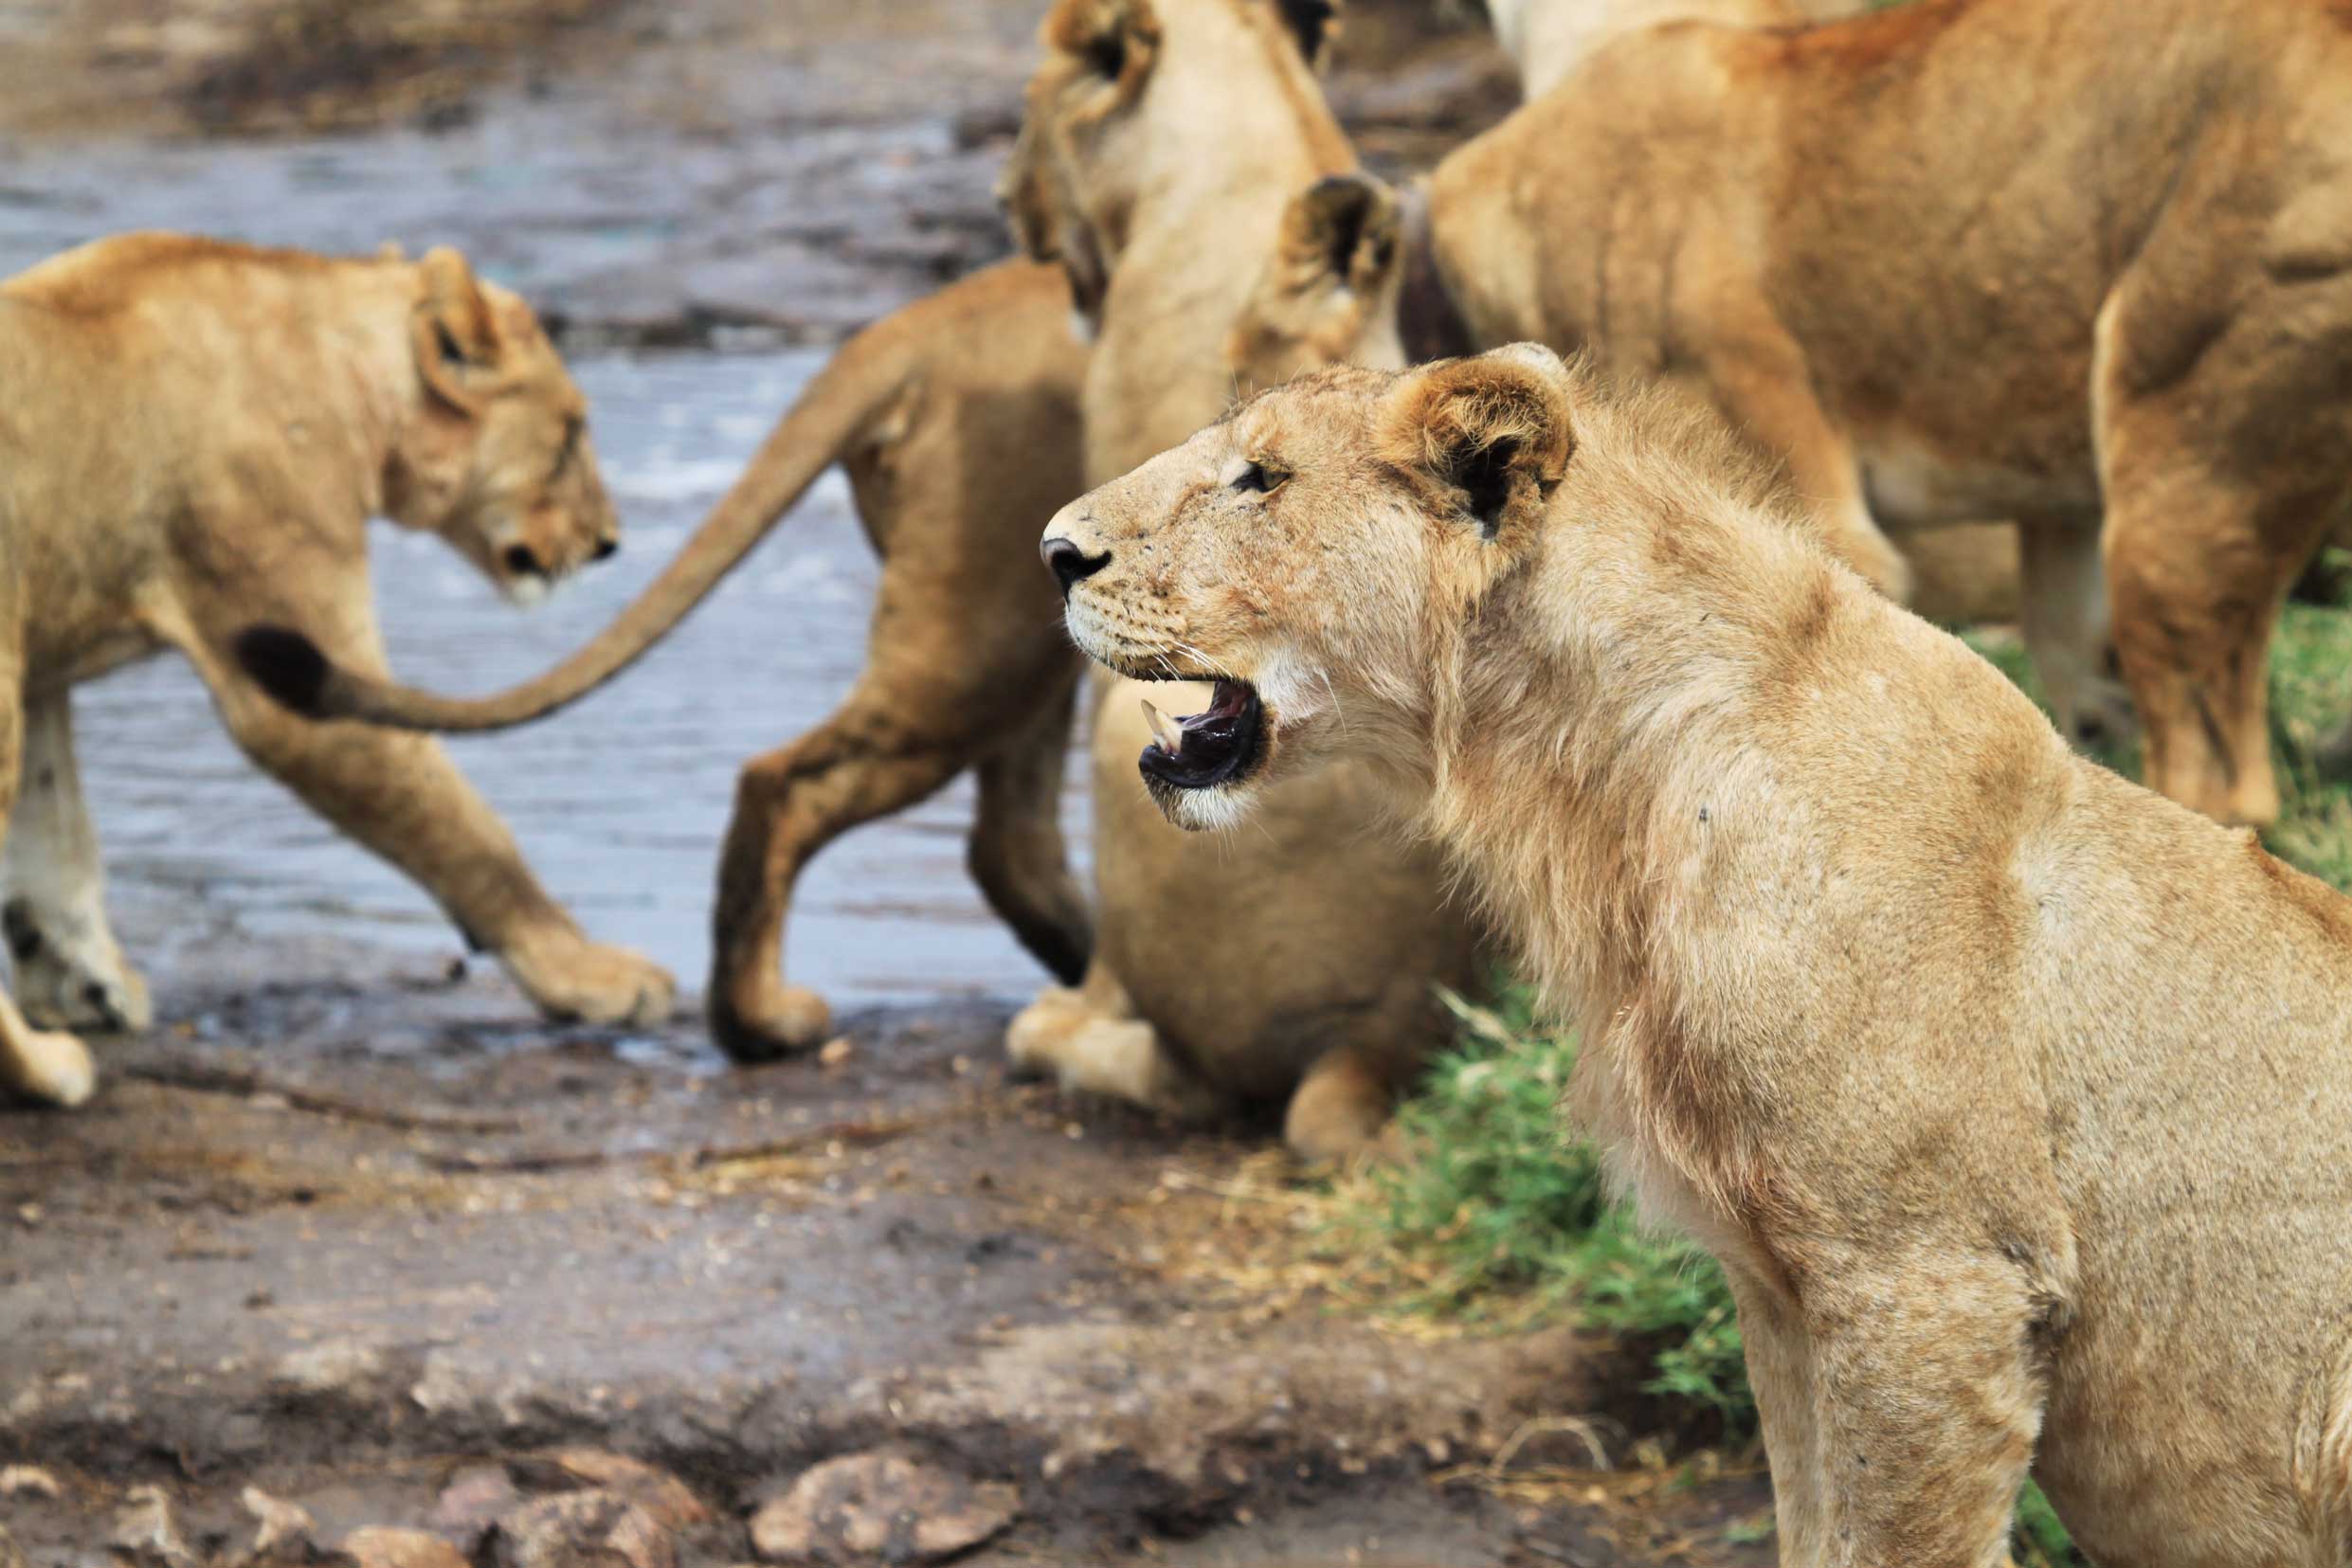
x,y
287,665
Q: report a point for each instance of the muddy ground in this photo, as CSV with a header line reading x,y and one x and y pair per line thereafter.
x,y
348,1232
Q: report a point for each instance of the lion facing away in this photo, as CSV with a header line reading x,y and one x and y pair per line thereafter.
x,y
1928,299
2013,1099
196,435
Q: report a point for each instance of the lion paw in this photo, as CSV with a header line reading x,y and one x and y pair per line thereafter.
x,y
1039,1034
53,1066
779,1020
64,983
595,983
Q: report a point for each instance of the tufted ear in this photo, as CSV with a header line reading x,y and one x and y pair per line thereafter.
x,y
1495,429
1117,40
452,331
1313,23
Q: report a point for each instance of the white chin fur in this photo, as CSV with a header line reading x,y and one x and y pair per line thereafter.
x,y
527,593
1210,810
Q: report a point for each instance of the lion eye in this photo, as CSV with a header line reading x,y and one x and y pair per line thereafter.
x,y
1108,55
1258,476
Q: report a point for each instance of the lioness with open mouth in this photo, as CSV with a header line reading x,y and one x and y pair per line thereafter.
x,y
2013,1099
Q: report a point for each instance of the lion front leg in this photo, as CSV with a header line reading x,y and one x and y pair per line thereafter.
x,y
1917,1397
401,797
44,1065
70,972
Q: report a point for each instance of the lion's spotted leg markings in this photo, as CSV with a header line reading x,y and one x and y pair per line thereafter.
x,y
70,971
45,1065
2064,593
400,796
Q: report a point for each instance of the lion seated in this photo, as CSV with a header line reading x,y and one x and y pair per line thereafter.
x,y
2013,1099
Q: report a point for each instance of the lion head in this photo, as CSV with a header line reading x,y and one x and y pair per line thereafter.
x,y
1296,554
497,461
1122,103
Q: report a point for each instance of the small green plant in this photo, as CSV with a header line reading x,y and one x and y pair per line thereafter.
x,y
1501,1215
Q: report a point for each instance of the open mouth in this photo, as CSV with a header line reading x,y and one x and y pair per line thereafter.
x,y
1220,745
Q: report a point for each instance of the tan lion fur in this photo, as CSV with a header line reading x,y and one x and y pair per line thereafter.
x,y
956,420
2015,1099
195,437
1969,258
1162,149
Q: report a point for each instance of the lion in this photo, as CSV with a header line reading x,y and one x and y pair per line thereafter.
x,y
1321,1001
1959,573
956,420
196,436
1161,160
1929,296
2013,1098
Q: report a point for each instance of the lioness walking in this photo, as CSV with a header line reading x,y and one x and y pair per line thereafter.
x,y
194,438
2014,1100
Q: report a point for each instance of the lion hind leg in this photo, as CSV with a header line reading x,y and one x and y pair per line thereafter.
x,y
861,763
1017,852
1090,1041
45,1065
1341,1106
70,971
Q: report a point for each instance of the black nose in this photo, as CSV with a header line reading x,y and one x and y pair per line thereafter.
x,y
523,562
607,548
1070,564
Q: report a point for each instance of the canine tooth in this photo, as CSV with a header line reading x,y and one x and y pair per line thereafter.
x,y
1170,738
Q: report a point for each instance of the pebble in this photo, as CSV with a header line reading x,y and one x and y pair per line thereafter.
x,y
586,1529
282,1524
146,1534
868,1506
668,1501
16,1480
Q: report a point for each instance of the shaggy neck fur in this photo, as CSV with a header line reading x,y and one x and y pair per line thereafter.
x,y
1649,623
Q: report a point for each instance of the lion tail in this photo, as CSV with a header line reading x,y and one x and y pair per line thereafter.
x,y
859,385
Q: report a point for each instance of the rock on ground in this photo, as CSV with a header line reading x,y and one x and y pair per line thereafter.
x,y
865,1507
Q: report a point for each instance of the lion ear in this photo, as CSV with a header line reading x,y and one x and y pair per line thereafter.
x,y
1495,429
453,332
1342,227
1117,40
1313,23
